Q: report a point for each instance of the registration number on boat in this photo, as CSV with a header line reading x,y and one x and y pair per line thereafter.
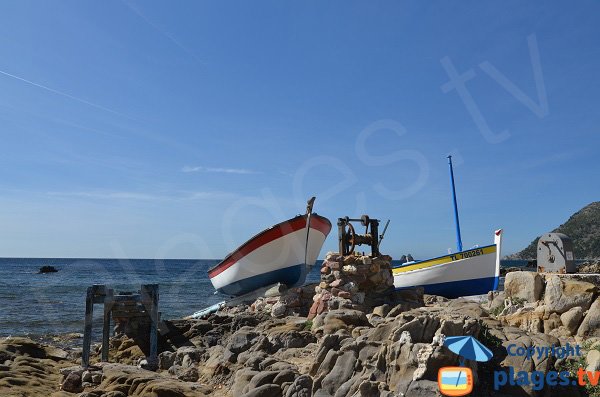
x,y
467,254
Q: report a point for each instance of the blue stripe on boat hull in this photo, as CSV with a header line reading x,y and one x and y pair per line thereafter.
x,y
456,289
289,276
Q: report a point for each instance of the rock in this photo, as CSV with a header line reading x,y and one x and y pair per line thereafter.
x,y
275,290
72,383
564,294
590,326
572,318
526,319
86,376
382,310
213,366
350,287
337,283
279,309
340,373
242,339
589,267
96,378
342,318
430,359
260,379
496,304
140,383
524,285
166,360
67,370
284,377
47,269
187,356
264,391
301,387
593,360
552,322
423,388
241,379
350,269
188,374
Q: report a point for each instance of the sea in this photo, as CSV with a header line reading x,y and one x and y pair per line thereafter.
x,y
39,305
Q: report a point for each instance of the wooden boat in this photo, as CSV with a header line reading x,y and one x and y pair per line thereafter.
x,y
283,253
471,272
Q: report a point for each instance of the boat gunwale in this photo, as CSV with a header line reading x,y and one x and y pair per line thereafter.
x,y
439,257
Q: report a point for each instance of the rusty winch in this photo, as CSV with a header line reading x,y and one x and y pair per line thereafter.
x,y
349,239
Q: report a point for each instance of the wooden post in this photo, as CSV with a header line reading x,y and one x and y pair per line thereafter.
x,y
87,333
108,304
149,294
95,294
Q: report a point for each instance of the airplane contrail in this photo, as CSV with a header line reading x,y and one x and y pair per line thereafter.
x,y
63,94
168,35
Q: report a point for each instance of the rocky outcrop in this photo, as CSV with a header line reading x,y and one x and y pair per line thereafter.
x,y
590,267
393,349
583,227
559,305
31,367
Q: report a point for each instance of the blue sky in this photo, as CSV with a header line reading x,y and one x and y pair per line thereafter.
x,y
159,129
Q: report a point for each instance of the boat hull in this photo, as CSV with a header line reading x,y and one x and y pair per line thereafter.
x,y
282,254
470,272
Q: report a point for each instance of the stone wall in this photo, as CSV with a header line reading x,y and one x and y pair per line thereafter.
x,y
352,282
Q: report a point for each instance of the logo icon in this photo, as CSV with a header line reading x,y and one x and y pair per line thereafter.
x,y
455,381
458,381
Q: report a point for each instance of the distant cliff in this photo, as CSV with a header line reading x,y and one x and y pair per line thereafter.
x,y
583,228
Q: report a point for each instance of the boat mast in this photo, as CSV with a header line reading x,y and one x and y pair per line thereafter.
x,y
456,221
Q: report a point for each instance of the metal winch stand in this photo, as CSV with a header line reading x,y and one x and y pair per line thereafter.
x,y
124,305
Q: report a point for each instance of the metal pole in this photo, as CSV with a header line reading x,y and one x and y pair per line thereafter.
x,y
456,220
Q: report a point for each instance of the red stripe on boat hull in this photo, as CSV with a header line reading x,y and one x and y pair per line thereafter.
x,y
317,222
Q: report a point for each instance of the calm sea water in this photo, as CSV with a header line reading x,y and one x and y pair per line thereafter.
x,y
45,304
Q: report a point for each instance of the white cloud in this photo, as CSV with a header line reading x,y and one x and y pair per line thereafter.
x,y
188,168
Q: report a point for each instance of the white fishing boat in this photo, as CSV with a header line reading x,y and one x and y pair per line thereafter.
x,y
467,272
472,272
283,254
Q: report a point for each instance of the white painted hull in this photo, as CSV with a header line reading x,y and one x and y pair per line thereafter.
x,y
275,255
470,272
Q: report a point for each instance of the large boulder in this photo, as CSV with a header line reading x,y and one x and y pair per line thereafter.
x,y
524,285
340,373
342,319
242,340
590,326
572,318
563,294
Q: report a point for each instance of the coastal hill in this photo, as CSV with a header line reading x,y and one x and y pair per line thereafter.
x,y
583,228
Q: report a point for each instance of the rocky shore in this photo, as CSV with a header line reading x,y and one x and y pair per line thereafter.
x,y
271,348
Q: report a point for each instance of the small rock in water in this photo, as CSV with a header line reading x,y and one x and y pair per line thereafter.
x,y
47,269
